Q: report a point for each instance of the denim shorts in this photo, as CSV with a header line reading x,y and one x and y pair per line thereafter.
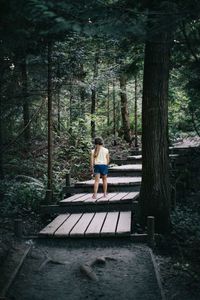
x,y
101,169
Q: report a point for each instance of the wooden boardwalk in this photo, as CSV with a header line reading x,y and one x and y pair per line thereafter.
x,y
82,216
114,215
89,225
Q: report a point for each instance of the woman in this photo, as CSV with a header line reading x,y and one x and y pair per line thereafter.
x,y
99,165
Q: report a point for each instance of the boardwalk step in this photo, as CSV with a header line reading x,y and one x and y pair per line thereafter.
x,y
112,181
89,225
110,198
134,170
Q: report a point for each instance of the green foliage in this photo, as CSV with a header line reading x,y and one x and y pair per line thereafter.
x,y
21,194
186,222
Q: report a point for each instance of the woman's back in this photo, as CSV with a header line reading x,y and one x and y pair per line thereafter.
x,y
102,156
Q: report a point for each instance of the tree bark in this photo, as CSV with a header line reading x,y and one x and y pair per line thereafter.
x,y
93,97
82,92
114,113
1,135
136,114
58,110
155,187
26,113
50,120
124,109
108,108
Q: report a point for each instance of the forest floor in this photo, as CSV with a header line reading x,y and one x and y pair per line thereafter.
x,y
177,255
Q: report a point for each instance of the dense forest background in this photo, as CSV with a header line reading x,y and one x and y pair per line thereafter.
x,y
74,70
128,71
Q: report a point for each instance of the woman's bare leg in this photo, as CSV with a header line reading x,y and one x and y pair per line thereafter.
x,y
96,185
105,184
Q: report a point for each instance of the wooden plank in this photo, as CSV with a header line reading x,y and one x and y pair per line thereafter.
x,y
85,197
131,195
112,181
110,224
107,198
128,167
67,226
81,226
72,198
96,224
54,225
91,200
118,197
124,223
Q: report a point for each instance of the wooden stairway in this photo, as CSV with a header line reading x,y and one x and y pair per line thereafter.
x,y
113,215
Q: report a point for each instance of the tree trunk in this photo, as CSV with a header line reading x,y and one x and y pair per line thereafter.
x,y
1,135
124,109
58,110
82,92
108,108
135,115
155,188
93,97
114,113
50,123
26,113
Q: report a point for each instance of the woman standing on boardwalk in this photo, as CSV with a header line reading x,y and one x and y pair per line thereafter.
x,y
99,165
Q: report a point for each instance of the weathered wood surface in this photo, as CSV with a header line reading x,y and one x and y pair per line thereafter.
x,y
124,223
68,225
54,225
82,225
90,224
110,224
95,226
111,197
128,167
112,181
133,170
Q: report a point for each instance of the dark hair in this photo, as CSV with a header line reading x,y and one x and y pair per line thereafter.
x,y
98,141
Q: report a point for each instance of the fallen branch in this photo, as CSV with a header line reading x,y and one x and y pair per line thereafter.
x,y
86,269
52,261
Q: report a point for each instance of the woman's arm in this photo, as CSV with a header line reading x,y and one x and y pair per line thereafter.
x,y
92,162
108,158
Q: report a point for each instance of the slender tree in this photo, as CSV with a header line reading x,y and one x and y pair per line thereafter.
x,y
26,113
136,114
124,109
50,122
93,96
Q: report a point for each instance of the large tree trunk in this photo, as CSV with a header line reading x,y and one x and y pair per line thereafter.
x,y
155,188
1,135
93,97
50,122
26,113
124,109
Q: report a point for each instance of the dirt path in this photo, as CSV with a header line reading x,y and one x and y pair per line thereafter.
x,y
124,271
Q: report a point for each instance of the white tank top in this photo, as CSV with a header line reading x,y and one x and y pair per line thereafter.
x,y
101,158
